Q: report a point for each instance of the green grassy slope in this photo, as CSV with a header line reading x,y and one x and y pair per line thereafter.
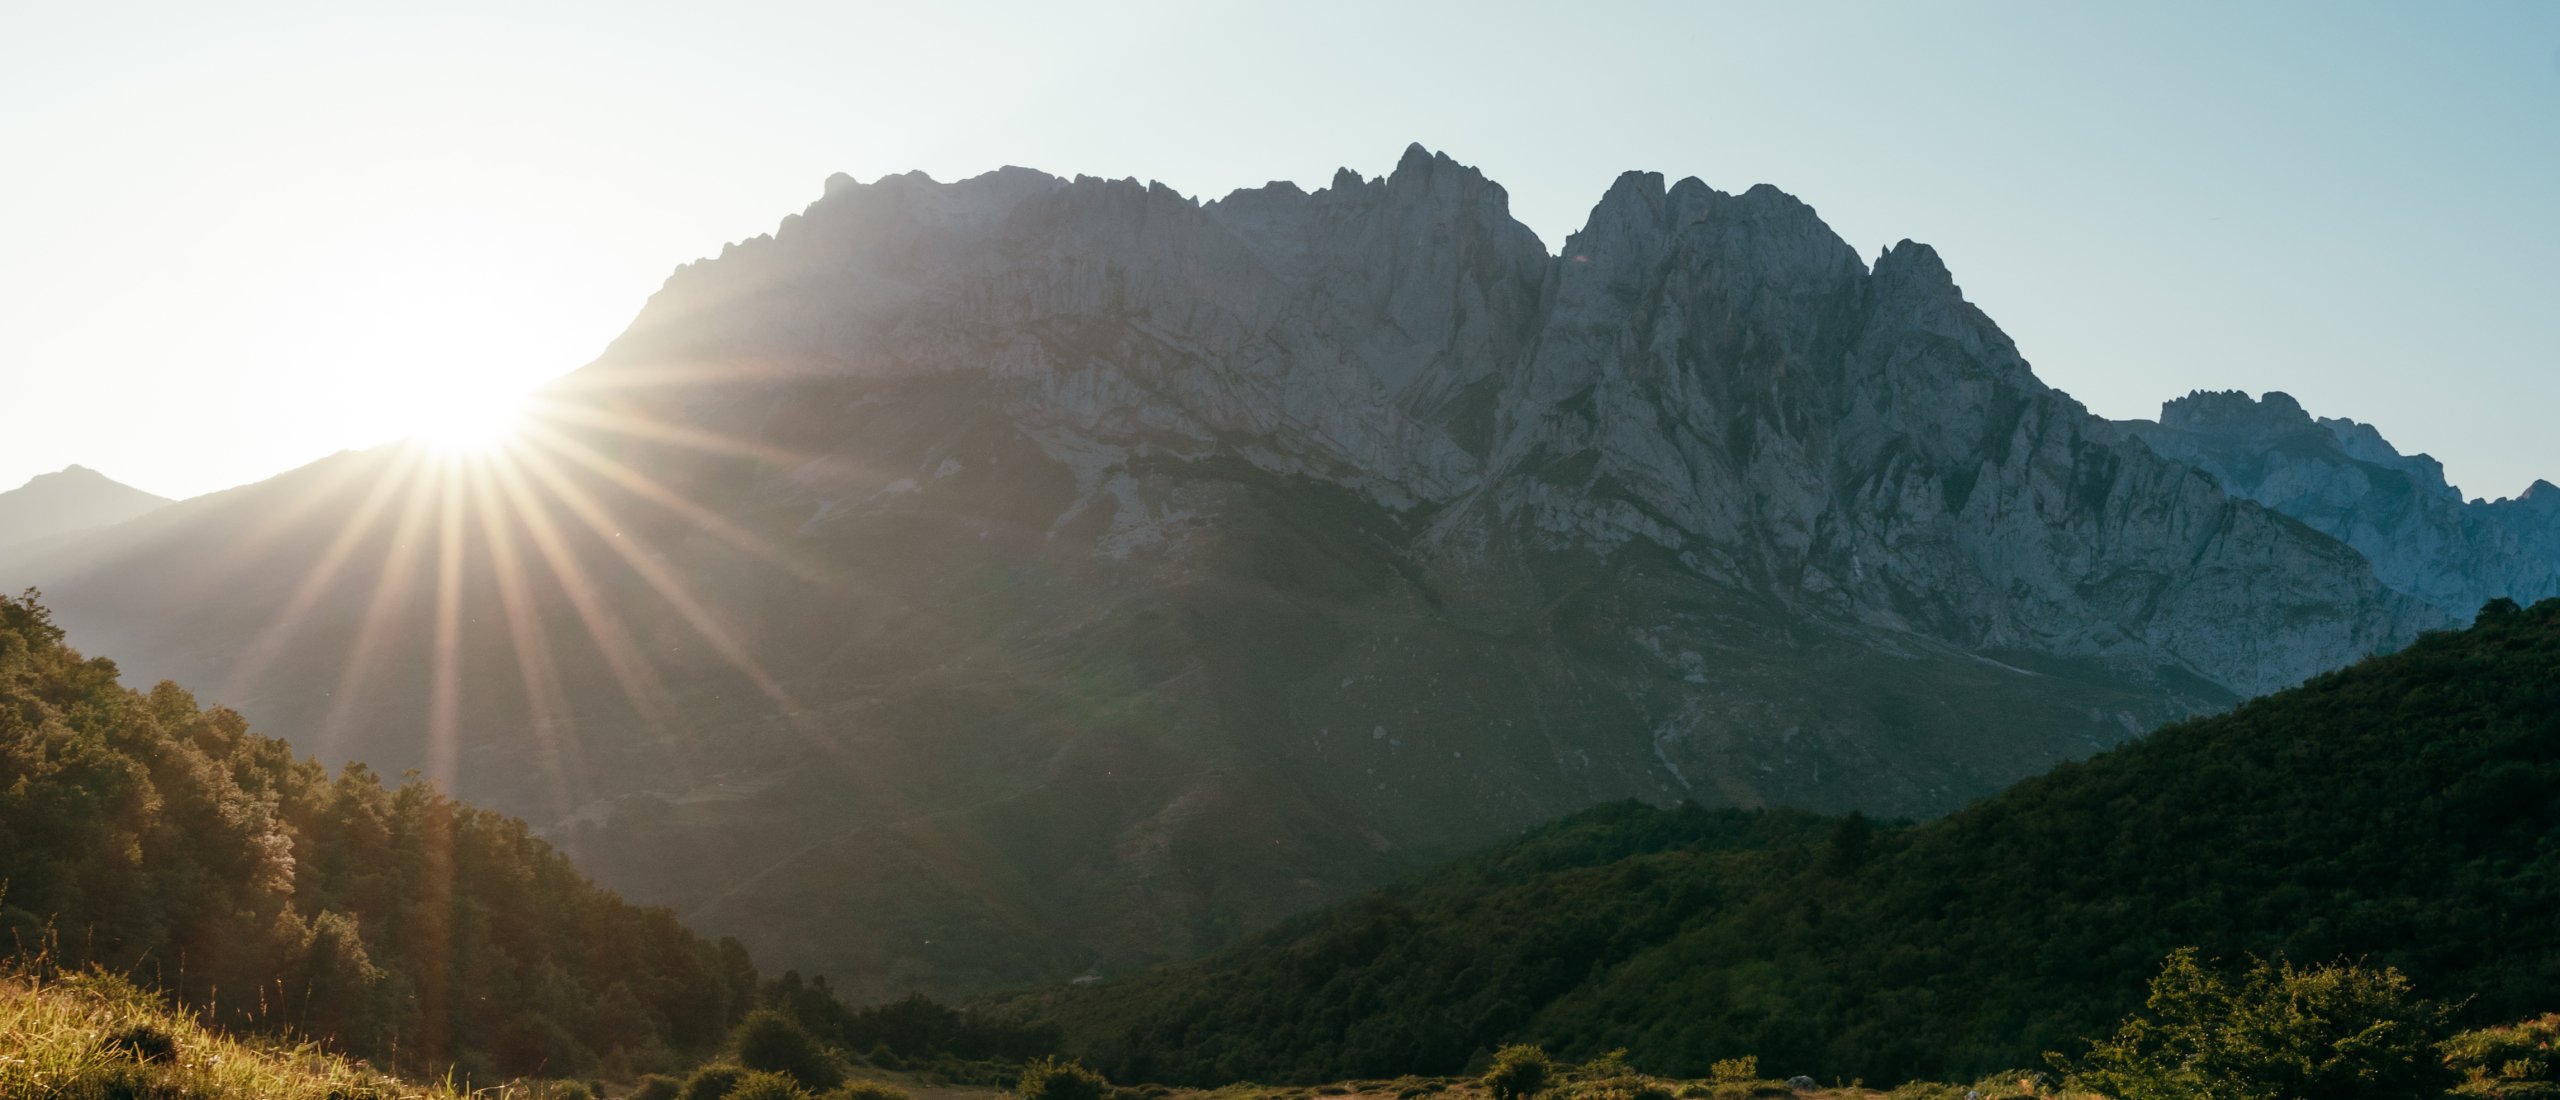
x,y
2405,811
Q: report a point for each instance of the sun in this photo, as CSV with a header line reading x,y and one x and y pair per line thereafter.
x,y
468,422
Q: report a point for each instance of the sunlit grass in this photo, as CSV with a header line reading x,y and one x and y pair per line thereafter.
x,y
56,1044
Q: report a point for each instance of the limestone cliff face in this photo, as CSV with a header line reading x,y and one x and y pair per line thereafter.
x,y
2345,480
1717,376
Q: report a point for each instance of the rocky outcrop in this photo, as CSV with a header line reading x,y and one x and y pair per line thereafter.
x,y
2345,480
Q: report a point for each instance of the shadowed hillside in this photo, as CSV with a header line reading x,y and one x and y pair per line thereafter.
x,y
2404,811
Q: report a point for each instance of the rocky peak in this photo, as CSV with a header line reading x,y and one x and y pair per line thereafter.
x,y
2233,413
1722,365
2343,478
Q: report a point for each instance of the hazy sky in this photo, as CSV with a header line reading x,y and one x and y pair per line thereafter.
x,y
232,242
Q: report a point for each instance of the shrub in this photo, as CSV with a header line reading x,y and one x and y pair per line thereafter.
x,y
767,1085
770,1041
1053,1078
2519,1062
869,1090
656,1086
712,1082
1519,1071
1728,1070
142,1042
2337,1032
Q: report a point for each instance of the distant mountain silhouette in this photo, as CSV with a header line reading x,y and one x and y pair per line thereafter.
x,y
72,499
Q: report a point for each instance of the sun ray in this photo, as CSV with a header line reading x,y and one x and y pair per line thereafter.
x,y
659,431
444,699
664,582
262,650
555,728
630,668
373,630
650,489
350,469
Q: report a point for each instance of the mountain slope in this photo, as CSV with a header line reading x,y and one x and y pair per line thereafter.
x,y
2346,481
2405,811
71,499
1000,581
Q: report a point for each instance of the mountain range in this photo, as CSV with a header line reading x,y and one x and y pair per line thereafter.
x,y
982,583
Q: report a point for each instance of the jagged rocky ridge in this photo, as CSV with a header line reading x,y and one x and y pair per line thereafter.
x,y
2345,480
1716,377
1118,572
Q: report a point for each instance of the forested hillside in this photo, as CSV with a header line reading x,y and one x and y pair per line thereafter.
x,y
2404,811
149,835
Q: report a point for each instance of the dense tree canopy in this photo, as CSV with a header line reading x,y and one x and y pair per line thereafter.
x,y
144,833
2404,812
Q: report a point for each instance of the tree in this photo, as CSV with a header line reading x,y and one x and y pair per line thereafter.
x,y
772,1041
2331,1032
1060,1079
1519,1071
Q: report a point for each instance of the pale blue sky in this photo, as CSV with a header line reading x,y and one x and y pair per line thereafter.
x,y
231,242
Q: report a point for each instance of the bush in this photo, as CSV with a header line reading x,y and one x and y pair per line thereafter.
x,y
767,1085
869,1090
2520,1062
1053,1078
770,1041
656,1086
141,1042
712,1082
1729,1070
2337,1032
1519,1071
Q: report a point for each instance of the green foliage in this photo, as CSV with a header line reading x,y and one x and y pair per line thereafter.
x,y
915,1027
2514,1062
712,1082
1050,1078
2399,811
770,1040
766,1085
656,1086
168,841
2331,1032
1519,1071
1745,1068
869,1090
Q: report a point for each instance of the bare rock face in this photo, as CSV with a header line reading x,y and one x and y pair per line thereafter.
x,y
981,583
2345,480
1715,376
